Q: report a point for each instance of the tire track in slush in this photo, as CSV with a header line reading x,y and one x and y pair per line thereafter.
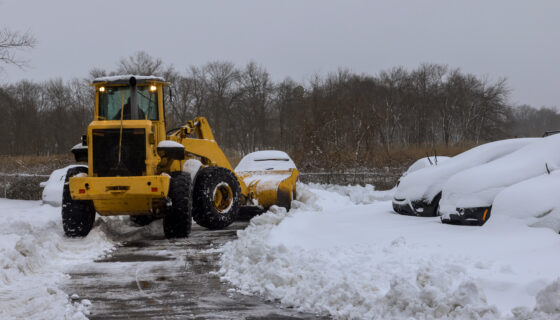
x,y
156,278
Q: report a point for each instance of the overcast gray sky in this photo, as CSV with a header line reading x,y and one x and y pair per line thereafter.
x,y
518,40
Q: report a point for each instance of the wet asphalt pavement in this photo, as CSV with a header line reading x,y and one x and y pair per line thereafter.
x,y
155,278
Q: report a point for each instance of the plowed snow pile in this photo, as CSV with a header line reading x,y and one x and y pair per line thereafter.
x,y
351,257
33,257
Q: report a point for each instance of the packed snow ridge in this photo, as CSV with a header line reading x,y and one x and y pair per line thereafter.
x,y
341,251
34,255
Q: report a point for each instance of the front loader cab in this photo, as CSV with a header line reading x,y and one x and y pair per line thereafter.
x,y
129,122
129,98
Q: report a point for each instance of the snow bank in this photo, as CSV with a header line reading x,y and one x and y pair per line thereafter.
x,y
333,255
478,186
357,194
534,201
33,257
427,183
547,307
548,299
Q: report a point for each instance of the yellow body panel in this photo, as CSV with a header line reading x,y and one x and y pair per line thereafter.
x,y
125,206
120,195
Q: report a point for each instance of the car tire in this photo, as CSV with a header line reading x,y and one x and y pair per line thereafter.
x,y
78,216
433,208
217,198
177,219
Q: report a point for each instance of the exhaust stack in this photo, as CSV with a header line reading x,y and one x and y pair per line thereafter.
x,y
133,101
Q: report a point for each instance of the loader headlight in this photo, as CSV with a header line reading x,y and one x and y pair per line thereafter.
x,y
153,88
101,89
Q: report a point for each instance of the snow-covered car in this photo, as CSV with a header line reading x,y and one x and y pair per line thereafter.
x,y
424,163
535,201
52,188
418,193
467,197
269,170
421,164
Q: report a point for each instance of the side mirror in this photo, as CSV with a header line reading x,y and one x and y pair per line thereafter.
x,y
171,150
80,152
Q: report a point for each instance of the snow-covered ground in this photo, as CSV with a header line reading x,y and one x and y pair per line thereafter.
x,y
339,251
33,257
342,251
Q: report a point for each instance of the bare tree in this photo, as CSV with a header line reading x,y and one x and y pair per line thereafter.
x,y
10,41
96,73
140,63
337,122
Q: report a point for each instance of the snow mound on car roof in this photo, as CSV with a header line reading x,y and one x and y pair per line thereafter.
x,y
265,160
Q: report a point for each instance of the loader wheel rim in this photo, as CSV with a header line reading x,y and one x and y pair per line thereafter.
x,y
223,197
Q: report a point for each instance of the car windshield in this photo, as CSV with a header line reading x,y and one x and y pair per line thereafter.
x,y
114,99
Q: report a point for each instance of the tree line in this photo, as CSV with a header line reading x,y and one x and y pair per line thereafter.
x,y
336,121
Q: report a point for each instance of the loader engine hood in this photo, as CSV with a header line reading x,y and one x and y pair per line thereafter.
x,y
120,148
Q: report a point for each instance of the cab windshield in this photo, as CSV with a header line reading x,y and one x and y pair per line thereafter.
x,y
116,100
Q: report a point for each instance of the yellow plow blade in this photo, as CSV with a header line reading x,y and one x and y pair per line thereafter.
x,y
267,188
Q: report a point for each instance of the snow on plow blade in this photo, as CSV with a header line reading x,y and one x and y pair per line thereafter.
x,y
272,187
270,177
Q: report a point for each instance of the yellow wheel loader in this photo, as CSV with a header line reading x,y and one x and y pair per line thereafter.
x,y
137,168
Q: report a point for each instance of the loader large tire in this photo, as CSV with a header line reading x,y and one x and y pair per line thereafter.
x,y
78,216
177,220
217,198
